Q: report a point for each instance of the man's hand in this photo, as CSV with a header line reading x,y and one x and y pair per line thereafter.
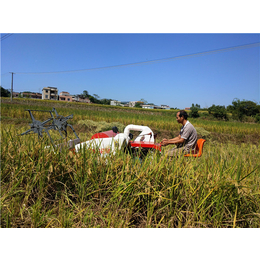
x,y
164,142
176,140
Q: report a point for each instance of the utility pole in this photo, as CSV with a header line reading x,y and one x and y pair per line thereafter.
x,y
12,86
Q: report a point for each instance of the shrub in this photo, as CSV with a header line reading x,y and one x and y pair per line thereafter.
x,y
5,92
194,112
241,109
257,118
218,112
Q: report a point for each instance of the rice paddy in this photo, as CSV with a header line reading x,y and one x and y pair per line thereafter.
x,y
42,188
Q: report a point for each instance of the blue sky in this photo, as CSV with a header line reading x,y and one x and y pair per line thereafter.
x,y
215,78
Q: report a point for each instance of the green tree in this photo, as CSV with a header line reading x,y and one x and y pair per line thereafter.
x,y
194,112
197,106
85,93
138,104
94,100
105,101
218,112
257,118
5,92
143,101
240,109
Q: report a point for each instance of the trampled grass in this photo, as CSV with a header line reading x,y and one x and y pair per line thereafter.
x,y
42,188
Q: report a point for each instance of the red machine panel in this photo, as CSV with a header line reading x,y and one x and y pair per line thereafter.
x,y
106,134
145,145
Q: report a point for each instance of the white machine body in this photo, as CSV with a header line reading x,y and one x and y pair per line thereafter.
x,y
105,145
111,144
146,134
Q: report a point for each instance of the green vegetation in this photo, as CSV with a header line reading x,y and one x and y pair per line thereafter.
x,y
95,98
244,108
194,112
5,92
243,111
42,188
218,112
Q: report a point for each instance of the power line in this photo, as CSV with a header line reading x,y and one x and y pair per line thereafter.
x,y
251,45
6,36
7,73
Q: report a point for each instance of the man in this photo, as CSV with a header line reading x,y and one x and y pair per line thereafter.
x,y
187,139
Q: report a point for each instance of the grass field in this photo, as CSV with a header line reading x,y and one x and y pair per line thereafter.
x,y
41,188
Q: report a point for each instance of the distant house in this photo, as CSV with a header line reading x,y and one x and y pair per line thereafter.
x,y
115,103
148,106
133,103
31,95
50,93
187,108
65,96
15,94
165,107
125,103
80,98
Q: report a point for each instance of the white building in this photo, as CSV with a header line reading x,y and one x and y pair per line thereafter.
x,y
133,103
50,93
165,107
148,106
115,103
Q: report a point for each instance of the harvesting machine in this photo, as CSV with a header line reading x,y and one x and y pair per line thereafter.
x,y
110,141
104,142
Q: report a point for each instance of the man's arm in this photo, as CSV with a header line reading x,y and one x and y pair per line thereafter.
x,y
176,140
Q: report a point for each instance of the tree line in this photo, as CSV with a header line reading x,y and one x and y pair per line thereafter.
x,y
240,110
94,98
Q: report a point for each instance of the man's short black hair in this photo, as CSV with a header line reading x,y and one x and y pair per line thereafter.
x,y
183,113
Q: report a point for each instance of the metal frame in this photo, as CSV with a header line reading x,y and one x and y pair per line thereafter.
x,y
58,122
